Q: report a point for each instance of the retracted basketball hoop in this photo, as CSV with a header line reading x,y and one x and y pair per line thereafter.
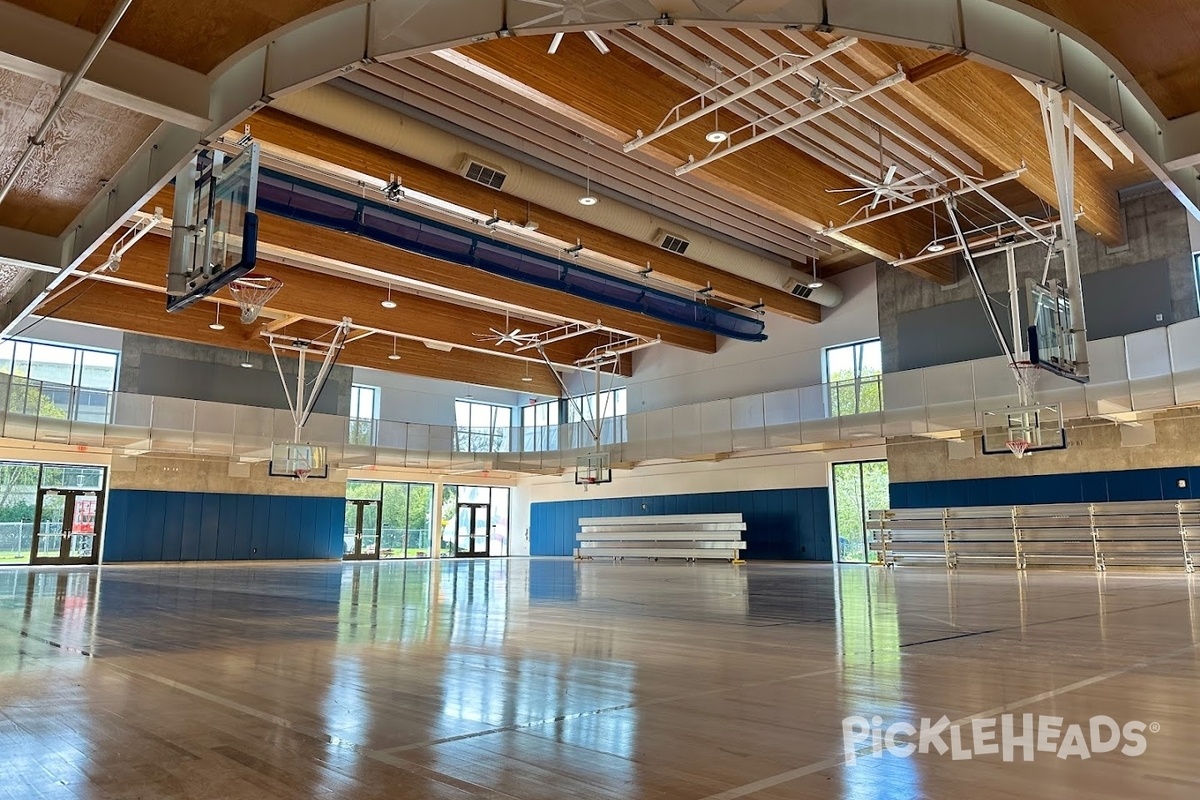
x,y
1027,374
252,292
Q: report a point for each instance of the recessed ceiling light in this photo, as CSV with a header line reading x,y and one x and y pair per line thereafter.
x,y
588,200
716,137
936,247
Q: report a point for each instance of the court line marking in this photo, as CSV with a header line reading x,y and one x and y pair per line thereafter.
x,y
839,760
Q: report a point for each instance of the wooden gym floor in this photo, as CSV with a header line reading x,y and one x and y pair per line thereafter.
x,y
550,679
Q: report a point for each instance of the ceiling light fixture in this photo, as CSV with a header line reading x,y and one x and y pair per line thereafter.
x,y
526,378
389,302
935,246
716,135
816,282
246,361
588,198
394,356
216,324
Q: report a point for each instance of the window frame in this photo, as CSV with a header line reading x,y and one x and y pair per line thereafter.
x,y
72,409
358,424
497,435
860,381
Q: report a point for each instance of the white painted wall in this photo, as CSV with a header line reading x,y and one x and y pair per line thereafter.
x,y
428,401
752,473
791,356
72,333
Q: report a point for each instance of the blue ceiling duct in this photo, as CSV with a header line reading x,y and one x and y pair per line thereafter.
x,y
286,196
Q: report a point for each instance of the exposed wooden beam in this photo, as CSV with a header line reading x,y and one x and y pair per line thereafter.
x,y
366,253
308,295
141,311
345,151
943,63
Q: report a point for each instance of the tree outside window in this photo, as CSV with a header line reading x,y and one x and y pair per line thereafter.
x,y
859,487
854,376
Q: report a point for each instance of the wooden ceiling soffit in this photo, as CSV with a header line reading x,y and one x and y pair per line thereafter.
x,y
347,248
333,147
620,92
141,311
315,296
988,111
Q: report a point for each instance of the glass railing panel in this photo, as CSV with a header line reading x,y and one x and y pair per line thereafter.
x,y
215,426
781,417
686,439
904,413
1185,360
818,423
172,424
1108,390
129,424
950,397
716,427
749,426
1149,361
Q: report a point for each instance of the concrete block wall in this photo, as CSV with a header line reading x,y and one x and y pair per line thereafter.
x,y
1157,229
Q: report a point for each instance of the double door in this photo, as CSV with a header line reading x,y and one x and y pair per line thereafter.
x,y
65,523
474,524
364,529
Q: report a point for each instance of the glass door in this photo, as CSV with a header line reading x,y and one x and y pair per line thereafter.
x,y
474,524
363,530
858,488
65,524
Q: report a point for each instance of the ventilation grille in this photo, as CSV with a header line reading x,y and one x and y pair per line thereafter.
x,y
670,242
472,170
797,288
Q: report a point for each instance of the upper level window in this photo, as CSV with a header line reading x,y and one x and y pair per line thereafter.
x,y
59,381
364,413
539,426
854,375
606,411
481,427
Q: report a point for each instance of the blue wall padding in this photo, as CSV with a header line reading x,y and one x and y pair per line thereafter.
x,y
145,525
791,524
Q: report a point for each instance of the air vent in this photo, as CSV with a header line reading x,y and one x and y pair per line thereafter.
x,y
671,242
798,288
474,171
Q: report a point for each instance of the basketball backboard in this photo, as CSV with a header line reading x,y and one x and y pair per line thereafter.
x,y
1024,429
295,460
592,468
1052,331
214,236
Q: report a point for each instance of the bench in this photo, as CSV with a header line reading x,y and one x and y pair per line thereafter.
x,y
687,536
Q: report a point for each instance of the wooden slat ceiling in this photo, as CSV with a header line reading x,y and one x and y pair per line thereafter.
x,y
621,91
333,147
986,115
1159,43
85,148
196,35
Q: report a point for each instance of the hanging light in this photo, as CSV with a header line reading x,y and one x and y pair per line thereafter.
x,y
716,135
588,199
246,361
816,282
935,246
526,378
389,302
216,324
394,356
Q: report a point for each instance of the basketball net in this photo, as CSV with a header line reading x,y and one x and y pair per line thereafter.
x,y
252,292
1018,447
302,472
1027,374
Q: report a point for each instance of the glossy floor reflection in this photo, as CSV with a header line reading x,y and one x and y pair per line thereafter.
x,y
550,679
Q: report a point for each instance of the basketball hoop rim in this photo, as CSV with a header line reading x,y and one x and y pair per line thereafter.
x,y
1018,447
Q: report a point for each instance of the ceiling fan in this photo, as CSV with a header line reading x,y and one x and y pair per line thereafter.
x,y
507,336
885,187
571,12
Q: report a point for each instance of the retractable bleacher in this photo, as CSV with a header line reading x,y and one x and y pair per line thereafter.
x,y
687,536
1156,533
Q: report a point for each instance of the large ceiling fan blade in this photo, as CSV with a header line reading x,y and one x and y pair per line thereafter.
x,y
516,333
555,42
855,199
595,39
875,200
891,173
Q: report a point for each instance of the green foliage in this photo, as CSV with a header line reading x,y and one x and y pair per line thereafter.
x,y
858,488
27,397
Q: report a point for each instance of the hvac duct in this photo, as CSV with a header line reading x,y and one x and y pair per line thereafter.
x,y
371,122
